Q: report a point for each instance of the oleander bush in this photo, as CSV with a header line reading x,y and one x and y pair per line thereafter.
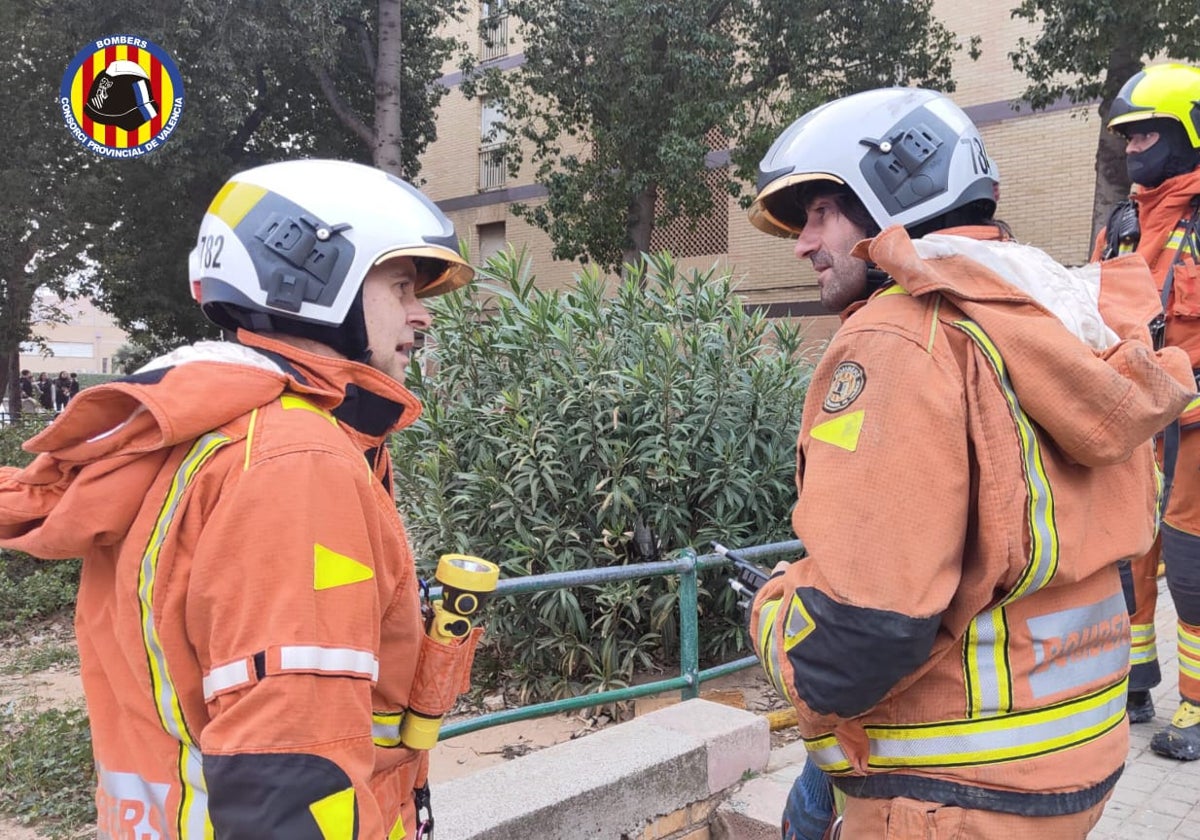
x,y
612,422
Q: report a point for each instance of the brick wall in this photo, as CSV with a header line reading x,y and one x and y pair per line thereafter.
x,y
1046,163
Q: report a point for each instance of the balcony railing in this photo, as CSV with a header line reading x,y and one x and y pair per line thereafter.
x,y
493,37
493,173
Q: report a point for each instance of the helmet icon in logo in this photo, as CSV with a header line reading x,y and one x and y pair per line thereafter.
x,y
121,96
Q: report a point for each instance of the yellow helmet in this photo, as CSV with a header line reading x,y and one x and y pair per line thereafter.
x,y
1161,91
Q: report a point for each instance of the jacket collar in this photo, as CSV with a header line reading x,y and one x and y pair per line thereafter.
x,y
363,398
1173,194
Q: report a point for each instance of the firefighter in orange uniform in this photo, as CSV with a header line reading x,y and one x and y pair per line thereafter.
x,y
249,621
1156,112
975,460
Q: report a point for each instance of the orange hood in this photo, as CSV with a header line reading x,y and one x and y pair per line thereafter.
x,y
98,458
1098,402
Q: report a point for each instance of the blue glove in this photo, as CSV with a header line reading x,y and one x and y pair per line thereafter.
x,y
809,808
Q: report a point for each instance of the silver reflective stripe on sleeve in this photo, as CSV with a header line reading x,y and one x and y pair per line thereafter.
x,y
224,677
314,659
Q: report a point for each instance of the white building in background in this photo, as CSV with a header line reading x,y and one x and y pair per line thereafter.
x,y
85,343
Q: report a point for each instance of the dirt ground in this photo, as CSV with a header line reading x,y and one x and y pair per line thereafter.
x,y
59,686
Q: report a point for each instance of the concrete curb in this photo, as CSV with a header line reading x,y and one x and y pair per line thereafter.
x,y
611,784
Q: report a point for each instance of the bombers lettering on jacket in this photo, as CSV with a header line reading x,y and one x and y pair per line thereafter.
x,y
248,617
974,460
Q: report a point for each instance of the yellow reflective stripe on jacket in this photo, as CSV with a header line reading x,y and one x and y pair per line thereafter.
x,y
295,401
385,728
988,676
973,743
1010,737
1144,644
1175,240
193,820
1189,654
766,646
827,754
1043,547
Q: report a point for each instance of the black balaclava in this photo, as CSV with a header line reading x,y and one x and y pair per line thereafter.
x,y
1172,155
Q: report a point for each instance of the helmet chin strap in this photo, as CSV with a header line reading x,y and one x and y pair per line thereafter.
x,y
348,338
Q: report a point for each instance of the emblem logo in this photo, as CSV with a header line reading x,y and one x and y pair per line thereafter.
x,y
121,96
849,379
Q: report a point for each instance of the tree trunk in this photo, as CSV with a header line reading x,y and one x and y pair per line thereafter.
x,y
1112,181
641,224
388,129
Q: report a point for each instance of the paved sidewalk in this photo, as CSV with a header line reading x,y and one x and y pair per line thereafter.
x,y
1157,798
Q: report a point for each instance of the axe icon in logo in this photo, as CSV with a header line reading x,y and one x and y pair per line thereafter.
x,y
121,96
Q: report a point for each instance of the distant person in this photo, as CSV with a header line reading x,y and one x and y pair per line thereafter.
x,y
26,384
73,388
62,390
45,392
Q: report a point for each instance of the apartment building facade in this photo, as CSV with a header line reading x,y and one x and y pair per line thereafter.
x,y
84,340
1046,161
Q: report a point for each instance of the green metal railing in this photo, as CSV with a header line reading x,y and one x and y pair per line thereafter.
x,y
687,565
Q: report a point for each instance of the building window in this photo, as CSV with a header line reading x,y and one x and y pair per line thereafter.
x,y
104,365
707,236
493,173
492,239
64,349
493,29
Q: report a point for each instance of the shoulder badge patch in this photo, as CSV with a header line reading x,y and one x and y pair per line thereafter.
x,y
849,379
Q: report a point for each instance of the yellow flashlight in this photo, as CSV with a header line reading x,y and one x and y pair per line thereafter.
x,y
466,582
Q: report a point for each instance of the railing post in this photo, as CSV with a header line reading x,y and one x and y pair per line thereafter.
x,y
689,620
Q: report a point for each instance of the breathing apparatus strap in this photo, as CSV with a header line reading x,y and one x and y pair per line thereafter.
x,y
1123,231
1190,242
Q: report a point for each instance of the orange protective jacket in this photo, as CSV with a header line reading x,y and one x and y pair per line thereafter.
x,y
1161,211
970,472
248,618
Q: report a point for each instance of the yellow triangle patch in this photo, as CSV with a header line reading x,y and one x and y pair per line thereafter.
x,y
331,569
335,815
842,432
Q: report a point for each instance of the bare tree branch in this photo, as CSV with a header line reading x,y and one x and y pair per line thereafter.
x,y
344,112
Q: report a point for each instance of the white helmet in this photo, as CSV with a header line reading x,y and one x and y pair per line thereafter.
x,y
285,247
909,155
